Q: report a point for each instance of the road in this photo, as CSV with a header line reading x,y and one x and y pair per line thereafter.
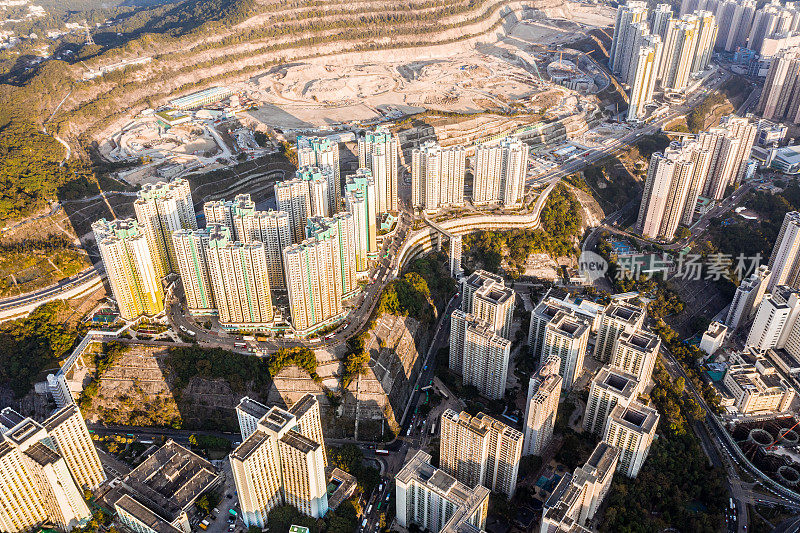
x,y
743,493
52,292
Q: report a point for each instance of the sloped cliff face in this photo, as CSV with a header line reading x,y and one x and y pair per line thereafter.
x,y
223,53
377,398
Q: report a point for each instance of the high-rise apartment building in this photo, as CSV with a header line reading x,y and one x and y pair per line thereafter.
x,y
319,196
541,406
500,171
226,212
658,19
306,412
162,208
636,36
273,228
631,428
730,146
313,282
609,388
680,45
190,252
324,154
783,262
674,181
38,484
437,176
566,337
618,317
436,501
470,284
131,268
293,198
775,319
780,98
748,297
479,354
494,303
378,152
576,498
240,279
628,16
362,204
480,451
276,464
67,430
549,306
706,37
644,68
636,354
340,229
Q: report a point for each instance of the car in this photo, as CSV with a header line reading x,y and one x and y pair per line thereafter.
x,y
231,527
230,496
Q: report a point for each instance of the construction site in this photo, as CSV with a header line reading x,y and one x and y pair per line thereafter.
x,y
773,446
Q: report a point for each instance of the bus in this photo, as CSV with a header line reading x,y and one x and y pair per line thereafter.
x,y
433,427
239,345
381,451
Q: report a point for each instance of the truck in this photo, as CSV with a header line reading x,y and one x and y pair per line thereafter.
x,y
381,451
369,509
204,524
239,345
364,524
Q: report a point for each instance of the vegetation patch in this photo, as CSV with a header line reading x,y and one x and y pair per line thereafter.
x,y
30,345
676,473
560,220
239,370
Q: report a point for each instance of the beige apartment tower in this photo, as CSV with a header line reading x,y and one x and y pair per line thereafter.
x,y
435,501
277,465
240,278
636,354
130,267
162,208
67,429
541,407
630,429
479,354
618,317
609,388
437,176
566,337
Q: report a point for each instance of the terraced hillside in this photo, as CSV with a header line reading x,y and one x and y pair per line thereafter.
x,y
249,37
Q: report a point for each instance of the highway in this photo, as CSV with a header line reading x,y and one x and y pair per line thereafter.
x,y
52,292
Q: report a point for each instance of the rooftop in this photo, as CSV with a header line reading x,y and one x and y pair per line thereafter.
x,y
9,418
638,417
42,454
252,407
60,416
303,405
276,420
617,381
299,442
624,311
640,340
250,444
145,515
569,325
24,431
170,480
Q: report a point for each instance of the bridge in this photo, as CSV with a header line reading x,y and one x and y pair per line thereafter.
x,y
455,246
